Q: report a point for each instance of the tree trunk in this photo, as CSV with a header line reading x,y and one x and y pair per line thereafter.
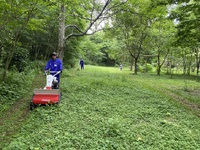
x,y
9,58
61,38
10,55
158,69
184,67
1,46
198,65
146,69
189,65
158,65
132,60
197,57
136,68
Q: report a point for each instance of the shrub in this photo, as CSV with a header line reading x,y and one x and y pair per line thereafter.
x,y
36,65
14,87
20,59
145,68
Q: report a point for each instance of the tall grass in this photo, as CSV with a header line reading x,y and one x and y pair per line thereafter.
x,y
17,84
14,87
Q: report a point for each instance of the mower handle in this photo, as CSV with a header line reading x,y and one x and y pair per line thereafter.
x,y
58,72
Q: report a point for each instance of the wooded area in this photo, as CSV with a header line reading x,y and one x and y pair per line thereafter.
x,y
144,35
124,31
31,30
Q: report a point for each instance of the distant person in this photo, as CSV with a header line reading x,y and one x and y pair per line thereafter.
x,y
54,65
120,66
82,64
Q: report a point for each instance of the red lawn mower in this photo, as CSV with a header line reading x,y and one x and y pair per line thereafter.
x,y
49,95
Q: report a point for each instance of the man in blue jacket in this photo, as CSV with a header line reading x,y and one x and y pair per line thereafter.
x,y
82,64
54,65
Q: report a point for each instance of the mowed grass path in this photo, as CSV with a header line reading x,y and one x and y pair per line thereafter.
x,y
104,108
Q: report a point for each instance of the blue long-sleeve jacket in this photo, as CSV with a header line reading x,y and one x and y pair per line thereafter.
x,y
54,66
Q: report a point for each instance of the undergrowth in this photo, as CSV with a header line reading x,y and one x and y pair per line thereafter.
x,y
14,87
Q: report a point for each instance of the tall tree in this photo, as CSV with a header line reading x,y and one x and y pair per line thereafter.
x,y
162,36
92,13
133,25
14,19
187,16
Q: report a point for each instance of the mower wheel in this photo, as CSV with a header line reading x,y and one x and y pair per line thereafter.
x,y
32,106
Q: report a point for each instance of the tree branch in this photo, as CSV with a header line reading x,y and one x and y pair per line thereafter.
x,y
101,16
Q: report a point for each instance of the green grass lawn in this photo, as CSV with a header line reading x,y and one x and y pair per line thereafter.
x,y
105,108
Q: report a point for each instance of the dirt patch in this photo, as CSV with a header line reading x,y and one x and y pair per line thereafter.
x,y
195,108
12,119
195,92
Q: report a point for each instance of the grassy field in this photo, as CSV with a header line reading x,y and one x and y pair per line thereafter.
x,y
104,108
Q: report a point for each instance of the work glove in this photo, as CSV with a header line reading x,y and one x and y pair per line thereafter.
x,y
45,72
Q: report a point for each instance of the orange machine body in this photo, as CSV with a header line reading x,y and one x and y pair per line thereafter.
x,y
46,96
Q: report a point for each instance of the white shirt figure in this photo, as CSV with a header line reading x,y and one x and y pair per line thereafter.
x,y
120,67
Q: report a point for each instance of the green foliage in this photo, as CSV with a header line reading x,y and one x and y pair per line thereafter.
x,y
72,53
20,59
17,84
37,66
186,16
15,87
140,27
145,68
93,49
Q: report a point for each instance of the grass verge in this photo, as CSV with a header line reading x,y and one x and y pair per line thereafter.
x,y
12,119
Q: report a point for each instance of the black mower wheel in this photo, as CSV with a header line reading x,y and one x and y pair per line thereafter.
x,y
32,106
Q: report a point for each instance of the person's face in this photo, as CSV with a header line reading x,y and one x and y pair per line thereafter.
x,y
53,56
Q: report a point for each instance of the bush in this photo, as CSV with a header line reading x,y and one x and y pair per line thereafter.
x,y
20,60
14,87
145,68
36,65
149,67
